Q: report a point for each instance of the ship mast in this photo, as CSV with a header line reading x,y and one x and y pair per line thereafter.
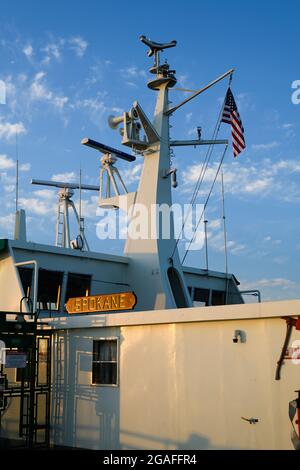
x,y
154,268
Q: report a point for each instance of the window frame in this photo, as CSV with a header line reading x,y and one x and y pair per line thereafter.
x,y
107,338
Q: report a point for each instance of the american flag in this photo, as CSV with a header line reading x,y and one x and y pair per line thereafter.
x,y
231,116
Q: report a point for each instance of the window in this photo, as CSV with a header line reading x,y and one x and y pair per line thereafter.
x,y
78,285
201,297
49,291
218,297
105,362
26,279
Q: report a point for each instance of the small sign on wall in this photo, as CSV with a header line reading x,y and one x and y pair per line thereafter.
x,y
15,360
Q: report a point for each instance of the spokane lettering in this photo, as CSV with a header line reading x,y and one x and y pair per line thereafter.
x,y
98,303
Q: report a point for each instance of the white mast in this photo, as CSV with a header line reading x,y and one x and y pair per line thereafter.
x,y
154,268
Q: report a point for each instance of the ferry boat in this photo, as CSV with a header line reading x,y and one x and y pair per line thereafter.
x,y
139,351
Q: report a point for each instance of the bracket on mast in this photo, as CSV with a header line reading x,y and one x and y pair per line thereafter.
x,y
198,92
193,143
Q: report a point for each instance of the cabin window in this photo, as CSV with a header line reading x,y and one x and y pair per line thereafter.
x,y
49,291
78,285
26,279
105,362
201,297
218,297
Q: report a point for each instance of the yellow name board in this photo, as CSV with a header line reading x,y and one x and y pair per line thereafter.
x,y
101,303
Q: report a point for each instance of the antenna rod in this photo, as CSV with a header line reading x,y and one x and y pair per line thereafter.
x,y
225,235
80,174
198,92
17,173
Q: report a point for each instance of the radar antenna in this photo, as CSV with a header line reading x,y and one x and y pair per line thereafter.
x,y
65,194
108,169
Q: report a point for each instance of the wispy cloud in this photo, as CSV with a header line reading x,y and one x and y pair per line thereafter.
x,y
39,91
28,51
268,146
6,163
68,177
275,282
263,178
53,50
79,45
38,205
9,130
132,72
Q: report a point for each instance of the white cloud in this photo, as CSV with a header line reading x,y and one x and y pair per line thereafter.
x,y
272,240
28,51
132,175
40,92
290,165
275,282
9,130
214,224
79,45
132,72
25,167
262,178
45,193
53,50
216,242
92,104
6,163
7,222
270,145
258,186
38,206
68,177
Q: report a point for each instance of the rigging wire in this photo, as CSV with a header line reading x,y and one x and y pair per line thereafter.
x,y
206,202
201,175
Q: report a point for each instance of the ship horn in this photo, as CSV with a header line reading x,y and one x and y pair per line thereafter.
x,y
114,121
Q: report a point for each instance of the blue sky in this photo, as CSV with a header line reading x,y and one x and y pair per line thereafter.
x,y
68,65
